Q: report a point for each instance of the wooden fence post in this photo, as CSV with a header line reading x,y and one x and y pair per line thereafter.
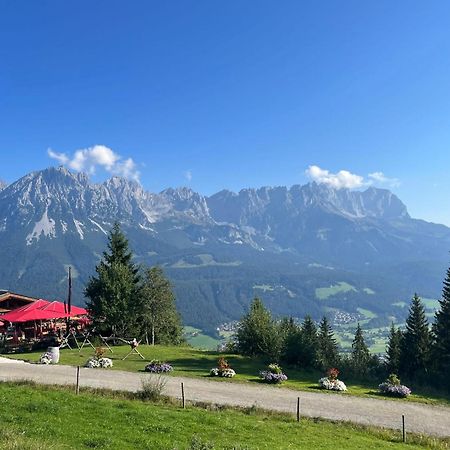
x,y
182,395
298,409
403,428
77,391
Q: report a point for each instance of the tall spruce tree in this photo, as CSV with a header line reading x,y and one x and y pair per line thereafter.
x,y
291,352
441,335
113,295
159,321
308,343
327,347
393,350
257,332
415,345
360,356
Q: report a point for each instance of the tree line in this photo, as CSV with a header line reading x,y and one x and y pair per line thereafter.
x,y
419,353
127,300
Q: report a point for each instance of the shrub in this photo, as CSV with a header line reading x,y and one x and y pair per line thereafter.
x,y
331,382
45,358
223,369
273,374
104,363
95,363
394,388
99,352
152,388
156,366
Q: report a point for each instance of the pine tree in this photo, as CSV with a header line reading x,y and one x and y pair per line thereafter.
x,y
441,334
308,335
257,332
360,356
113,295
159,322
327,347
292,345
415,345
393,350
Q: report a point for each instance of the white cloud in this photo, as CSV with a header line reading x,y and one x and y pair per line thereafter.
x,y
381,178
188,175
348,180
342,179
88,159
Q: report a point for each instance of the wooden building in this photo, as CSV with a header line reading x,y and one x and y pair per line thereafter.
x,y
10,301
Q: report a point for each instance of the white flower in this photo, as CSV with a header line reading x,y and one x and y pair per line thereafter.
x,y
228,373
46,358
332,385
105,363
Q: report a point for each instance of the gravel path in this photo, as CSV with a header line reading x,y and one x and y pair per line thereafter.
x,y
420,418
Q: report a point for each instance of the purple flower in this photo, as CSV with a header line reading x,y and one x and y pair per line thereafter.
x,y
394,390
158,367
270,377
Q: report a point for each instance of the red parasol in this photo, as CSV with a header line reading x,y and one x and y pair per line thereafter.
x,y
58,307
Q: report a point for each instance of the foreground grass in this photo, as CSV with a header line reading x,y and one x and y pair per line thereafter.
x,y
191,362
38,417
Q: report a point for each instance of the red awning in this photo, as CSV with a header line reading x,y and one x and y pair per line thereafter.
x,y
58,307
31,315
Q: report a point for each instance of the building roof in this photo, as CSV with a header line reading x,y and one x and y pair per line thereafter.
x,y
7,295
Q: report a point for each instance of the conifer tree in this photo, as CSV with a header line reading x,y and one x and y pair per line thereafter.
x,y
113,295
159,321
360,356
257,332
308,340
327,347
441,334
415,345
292,345
393,349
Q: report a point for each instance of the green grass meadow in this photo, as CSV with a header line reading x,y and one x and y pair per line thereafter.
x,y
42,417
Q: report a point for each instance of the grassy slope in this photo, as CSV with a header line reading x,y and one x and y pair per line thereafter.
x,y
37,417
326,292
191,362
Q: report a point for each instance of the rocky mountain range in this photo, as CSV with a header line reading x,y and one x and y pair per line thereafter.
x,y
286,245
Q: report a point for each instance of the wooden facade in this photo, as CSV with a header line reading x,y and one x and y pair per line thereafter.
x,y
10,301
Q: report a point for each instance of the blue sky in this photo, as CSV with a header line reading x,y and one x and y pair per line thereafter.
x,y
231,94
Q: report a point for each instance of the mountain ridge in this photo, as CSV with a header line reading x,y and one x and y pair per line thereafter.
x,y
217,248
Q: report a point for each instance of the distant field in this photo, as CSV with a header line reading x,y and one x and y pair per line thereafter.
x,y
327,292
192,362
196,338
367,313
39,417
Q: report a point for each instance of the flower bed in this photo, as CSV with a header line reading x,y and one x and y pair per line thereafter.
x,y
332,385
273,374
98,363
46,358
394,388
223,369
331,382
156,366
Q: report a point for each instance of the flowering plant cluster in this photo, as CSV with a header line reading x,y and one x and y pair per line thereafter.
x,y
156,366
331,382
393,387
99,352
333,373
96,363
273,374
45,358
223,369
